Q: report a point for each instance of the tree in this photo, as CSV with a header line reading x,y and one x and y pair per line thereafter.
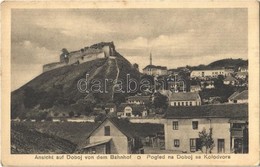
x,y
160,101
206,140
136,66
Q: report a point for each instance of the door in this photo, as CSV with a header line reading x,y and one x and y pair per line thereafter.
x,y
221,146
238,145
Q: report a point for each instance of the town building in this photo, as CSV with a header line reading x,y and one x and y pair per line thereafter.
x,y
229,80
110,107
131,110
241,75
195,88
207,84
243,69
210,73
228,124
113,136
185,99
154,70
138,99
239,97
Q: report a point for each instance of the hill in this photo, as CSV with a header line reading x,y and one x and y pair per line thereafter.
x,y
228,63
29,141
58,88
235,63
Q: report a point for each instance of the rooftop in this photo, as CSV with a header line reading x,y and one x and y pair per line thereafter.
x,y
187,96
208,111
122,125
137,108
239,95
156,67
230,78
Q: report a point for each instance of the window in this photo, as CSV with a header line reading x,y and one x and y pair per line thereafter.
x,y
195,124
182,103
190,103
174,104
107,130
179,103
176,143
187,103
175,125
128,114
221,146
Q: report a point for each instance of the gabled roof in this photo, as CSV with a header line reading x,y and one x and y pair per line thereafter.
x,y
122,125
156,67
242,73
137,108
230,78
181,96
239,96
208,111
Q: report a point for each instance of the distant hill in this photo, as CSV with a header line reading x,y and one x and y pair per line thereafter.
x,y
58,88
222,63
29,141
228,63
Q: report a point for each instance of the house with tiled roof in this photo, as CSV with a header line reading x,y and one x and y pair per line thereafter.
x,y
228,122
241,75
239,97
155,70
110,107
139,99
185,99
112,136
229,80
195,88
131,110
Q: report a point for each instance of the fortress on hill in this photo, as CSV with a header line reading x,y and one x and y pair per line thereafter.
x,y
89,53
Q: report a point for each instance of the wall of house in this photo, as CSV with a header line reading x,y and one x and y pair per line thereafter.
x,y
101,149
147,120
185,132
209,73
194,103
119,144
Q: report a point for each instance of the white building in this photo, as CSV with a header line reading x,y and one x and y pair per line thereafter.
x,y
212,73
185,99
228,123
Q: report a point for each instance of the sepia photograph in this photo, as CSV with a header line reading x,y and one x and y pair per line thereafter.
x,y
130,81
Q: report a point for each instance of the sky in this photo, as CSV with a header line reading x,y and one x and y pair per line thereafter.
x,y
174,37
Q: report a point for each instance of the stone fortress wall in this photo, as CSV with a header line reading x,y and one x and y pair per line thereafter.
x,y
96,51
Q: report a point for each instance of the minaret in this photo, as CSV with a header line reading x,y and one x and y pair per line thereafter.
x,y
151,60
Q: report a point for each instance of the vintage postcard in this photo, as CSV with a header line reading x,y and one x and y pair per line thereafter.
x,y
125,83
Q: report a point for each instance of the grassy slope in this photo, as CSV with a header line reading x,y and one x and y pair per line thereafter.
x,y
67,77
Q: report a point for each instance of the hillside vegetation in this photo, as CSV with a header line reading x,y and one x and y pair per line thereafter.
x,y
58,88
